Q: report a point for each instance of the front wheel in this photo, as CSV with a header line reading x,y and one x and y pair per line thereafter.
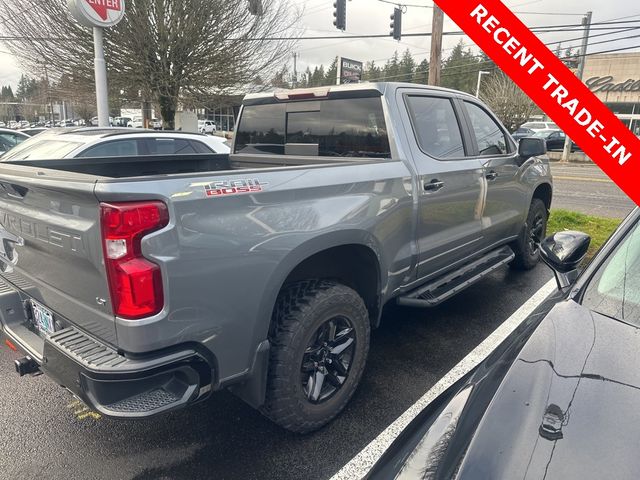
x,y
527,246
319,347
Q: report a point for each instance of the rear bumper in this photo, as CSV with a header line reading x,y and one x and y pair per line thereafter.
x,y
113,384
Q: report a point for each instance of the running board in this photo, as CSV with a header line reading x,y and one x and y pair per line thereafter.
x,y
441,289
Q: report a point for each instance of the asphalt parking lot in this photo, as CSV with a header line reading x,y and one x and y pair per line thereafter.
x,y
46,434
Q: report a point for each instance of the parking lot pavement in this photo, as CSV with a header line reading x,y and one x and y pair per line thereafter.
x,y
46,434
587,189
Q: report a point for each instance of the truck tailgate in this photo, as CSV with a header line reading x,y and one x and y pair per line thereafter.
x,y
60,264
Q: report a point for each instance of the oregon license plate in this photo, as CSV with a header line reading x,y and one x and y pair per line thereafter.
x,y
42,318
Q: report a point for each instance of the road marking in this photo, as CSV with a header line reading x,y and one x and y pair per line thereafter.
x,y
359,465
584,179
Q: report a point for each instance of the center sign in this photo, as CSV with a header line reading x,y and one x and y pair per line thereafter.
x,y
97,13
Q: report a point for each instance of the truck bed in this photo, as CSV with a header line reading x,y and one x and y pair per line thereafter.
x,y
143,166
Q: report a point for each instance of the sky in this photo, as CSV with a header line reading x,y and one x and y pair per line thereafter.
x,y
372,17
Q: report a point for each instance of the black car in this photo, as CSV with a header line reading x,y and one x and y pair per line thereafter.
x,y
559,398
522,132
555,139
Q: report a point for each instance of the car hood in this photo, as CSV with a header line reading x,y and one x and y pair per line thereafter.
x,y
567,407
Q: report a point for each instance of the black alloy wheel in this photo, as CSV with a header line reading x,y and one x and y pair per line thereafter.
x,y
536,233
327,359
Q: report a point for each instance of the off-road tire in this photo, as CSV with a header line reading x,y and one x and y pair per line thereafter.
x,y
300,310
528,257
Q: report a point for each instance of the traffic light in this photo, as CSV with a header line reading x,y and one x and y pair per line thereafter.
x,y
340,14
396,24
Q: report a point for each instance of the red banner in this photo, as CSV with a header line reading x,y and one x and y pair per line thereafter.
x,y
552,86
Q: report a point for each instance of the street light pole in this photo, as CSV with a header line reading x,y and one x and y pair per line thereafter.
x,y
102,94
586,22
480,73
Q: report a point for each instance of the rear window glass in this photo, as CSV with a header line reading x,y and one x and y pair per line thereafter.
x,y
328,128
40,148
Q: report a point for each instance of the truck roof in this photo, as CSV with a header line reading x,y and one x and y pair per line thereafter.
x,y
318,92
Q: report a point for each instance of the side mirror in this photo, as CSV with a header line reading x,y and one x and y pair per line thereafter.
x,y
563,252
531,147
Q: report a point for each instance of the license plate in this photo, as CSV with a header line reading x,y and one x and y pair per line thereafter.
x,y
42,318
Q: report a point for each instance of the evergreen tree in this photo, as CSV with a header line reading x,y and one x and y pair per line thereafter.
x,y
372,72
460,69
406,67
332,73
392,68
421,74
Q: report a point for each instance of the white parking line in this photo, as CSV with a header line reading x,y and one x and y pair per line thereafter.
x,y
359,465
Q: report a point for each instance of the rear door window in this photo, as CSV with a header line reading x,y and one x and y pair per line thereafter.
x,y
352,127
436,126
115,148
489,135
170,146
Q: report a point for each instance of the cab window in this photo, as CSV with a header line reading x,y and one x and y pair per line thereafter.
x,y
490,137
436,126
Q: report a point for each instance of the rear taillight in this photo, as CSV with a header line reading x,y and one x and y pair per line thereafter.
x,y
135,283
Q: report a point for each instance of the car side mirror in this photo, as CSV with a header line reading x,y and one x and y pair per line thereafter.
x,y
531,147
563,252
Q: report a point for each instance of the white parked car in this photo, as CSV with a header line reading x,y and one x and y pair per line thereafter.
x,y
113,142
136,122
538,126
10,138
206,126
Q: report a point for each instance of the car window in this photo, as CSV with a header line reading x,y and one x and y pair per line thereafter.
x,y
536,125
615,288
10,139
115,148
490,137
200,147
170,146
40,148
552,125
351,127
436,126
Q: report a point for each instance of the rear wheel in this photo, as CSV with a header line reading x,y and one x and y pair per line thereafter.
x,y
527,247
319,346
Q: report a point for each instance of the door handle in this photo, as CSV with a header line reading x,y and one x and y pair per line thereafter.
x,y
433,186
492,175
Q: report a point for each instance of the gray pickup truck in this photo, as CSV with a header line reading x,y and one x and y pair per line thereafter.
x,y
144,284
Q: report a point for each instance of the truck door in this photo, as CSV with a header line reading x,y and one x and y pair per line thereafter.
x,y
450,184
506,198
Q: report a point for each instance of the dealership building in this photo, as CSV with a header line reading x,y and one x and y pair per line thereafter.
x,y
615,79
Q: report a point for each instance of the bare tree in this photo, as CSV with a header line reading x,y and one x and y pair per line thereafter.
x,y
166,49
512,106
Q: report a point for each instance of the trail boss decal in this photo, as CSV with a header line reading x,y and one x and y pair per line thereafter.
x,y
233,187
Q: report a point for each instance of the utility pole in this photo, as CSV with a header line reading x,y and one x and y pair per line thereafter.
x,y
294,83
435,62
586,22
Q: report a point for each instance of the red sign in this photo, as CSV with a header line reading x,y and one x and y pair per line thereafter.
x,y
552,86
101,7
